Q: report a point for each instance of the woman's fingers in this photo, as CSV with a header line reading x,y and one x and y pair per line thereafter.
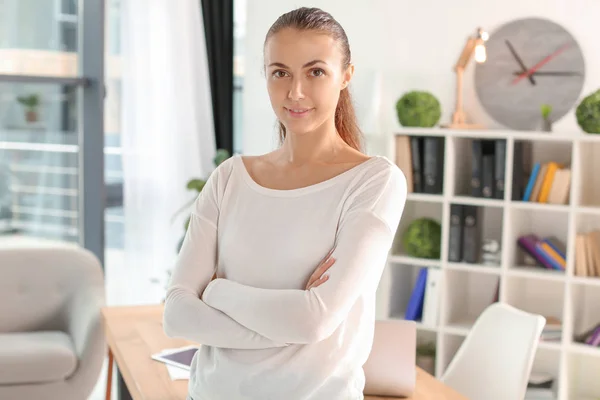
x,y
324,266
319,281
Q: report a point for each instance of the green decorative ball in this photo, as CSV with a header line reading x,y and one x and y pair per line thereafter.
x,y
423,238
418,108
588,113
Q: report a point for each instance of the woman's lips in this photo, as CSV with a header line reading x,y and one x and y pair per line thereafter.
x,y
298,112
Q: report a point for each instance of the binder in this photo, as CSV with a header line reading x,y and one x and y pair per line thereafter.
x,y
431,303
499,168
471,234
455,241
476,168
488,174
416,157
414,310
433,164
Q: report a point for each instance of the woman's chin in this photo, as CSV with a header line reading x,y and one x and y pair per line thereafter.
x,y
299,127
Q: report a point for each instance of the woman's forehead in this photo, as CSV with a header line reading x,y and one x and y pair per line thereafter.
x,y
294,48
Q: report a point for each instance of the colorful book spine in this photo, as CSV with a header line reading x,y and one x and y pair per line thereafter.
x,y
528,244
594,338
414,311
532,178
558,246
551,256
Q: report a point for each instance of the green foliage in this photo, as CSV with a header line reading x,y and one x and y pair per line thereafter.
x,y
30,102
422,238
546,109
418,108
221,156
588,113
196,184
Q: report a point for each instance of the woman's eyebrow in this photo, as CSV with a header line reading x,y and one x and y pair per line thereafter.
x,y
308,64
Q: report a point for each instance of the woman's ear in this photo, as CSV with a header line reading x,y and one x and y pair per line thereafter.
x,y
347,76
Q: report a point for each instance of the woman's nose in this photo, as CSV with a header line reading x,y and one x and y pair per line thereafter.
x,y
296,93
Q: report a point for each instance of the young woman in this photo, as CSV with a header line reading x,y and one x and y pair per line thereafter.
x,y
298,238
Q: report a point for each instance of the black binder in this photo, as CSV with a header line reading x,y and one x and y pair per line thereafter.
x,y
416,153
519,174
433,166
487,181
476,168
455,241
471,234
499,169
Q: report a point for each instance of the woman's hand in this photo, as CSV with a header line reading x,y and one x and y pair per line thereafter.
x,y
318,277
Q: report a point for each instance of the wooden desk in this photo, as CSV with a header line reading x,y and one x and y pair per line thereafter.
x,y
134,333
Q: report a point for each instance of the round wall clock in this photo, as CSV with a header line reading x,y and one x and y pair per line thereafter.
x,y
530,62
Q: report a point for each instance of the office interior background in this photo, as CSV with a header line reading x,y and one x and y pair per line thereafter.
x,y
106,113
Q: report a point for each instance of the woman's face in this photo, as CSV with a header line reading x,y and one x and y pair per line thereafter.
x,y
304,75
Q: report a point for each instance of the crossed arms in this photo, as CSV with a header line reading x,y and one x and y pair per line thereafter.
x,y
224,313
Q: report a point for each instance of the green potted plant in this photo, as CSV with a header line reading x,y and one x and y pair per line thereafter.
x,y
422,238
546,109
426,356
31,104
588,113
418,109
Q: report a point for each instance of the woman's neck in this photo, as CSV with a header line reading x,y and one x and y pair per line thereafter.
x,y
321,145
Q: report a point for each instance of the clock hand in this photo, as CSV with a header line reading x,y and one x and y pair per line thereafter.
x,y
516,56
540,64
551,73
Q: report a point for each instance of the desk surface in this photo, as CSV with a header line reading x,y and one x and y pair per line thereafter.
x,y
134,333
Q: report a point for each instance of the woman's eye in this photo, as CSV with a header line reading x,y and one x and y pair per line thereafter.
x,y
317,72
279,74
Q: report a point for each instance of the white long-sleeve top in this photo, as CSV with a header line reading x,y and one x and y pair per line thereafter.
x,y
263,336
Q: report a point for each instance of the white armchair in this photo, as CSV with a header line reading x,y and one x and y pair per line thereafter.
x,y
51,338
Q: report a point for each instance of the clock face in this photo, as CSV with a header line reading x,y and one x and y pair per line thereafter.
x,y
530,62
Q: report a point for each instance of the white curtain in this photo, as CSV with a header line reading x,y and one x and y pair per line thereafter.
x,y
167,134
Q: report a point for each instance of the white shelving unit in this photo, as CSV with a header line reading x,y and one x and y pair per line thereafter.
x,y
467,289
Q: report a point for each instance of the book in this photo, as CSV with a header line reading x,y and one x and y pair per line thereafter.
x,y
404,160
580,255
557,245
547,182
561,185
531,183
537,187
528,244
414,310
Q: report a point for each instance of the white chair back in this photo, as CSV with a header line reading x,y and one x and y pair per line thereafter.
x,y
495,360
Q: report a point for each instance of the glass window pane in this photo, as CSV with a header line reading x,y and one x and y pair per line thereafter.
x,y
39,159
113,167
39,37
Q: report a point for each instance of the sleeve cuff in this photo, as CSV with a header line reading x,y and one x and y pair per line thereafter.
x,y
208,290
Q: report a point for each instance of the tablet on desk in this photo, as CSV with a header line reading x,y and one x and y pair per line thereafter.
x,y
180,357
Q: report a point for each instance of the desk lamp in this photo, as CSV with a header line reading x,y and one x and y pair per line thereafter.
x,y
475,46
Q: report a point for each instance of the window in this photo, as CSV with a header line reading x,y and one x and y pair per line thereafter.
x,y
44,190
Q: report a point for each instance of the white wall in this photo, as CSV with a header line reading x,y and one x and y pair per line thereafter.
x,y
409,45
